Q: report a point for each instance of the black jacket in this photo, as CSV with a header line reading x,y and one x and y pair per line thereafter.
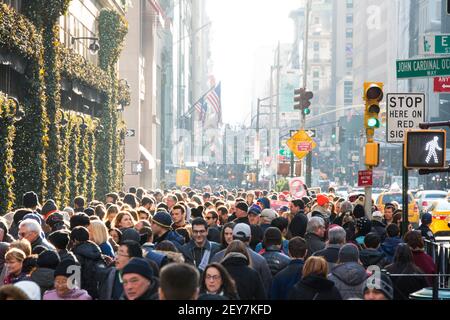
x,y
330,253
214,234
371,257
248,281
314,243
45,279
276,260
298,224
379,228
150,294
256,231
314,287
42,242
285,280
426,232
404,286
188,251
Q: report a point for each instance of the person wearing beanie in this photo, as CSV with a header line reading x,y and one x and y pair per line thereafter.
x,y
130,234
79,219
48,208
44,274
62,291
161,227
363,227
55,221
263,202
60,239
424,227
30,288
358,211
138,281
349,276
90,258
89,211
30,200
272,252
322,208
378,226
381,289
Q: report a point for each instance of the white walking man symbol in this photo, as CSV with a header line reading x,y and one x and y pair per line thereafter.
x,y
431,148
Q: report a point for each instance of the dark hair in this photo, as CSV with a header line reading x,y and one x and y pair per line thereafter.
x,y
372,240
297,247
389,206
397,217
119,233
392,230
272,236
179,196
11,292
298,203
162,205
228,284
199,222
140,192
79,201
280,222
113,195
179,281
404,260
132,190
414,239
146,200
208,204
134,248
166,245
222,233
213,213
100,211
179,207
222,210
130,199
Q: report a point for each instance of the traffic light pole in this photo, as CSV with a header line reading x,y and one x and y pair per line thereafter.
x,y
405,188
308,163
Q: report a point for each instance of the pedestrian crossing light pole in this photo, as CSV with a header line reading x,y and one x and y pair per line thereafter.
x,y
373,94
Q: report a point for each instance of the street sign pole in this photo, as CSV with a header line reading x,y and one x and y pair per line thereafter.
x,y
405,221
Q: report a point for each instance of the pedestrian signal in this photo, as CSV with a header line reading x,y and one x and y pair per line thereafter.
x,y
425,149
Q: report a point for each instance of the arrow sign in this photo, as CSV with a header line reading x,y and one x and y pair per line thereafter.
x,y
441,84
130,133
311,133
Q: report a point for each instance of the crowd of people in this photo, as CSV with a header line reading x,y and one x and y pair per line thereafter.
x,y
209,245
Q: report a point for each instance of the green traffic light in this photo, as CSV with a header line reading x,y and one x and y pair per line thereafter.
x,y
333,136
306,111
373,123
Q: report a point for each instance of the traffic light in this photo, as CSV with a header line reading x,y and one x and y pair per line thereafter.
x,y
372,154
303,97
373,94
340,135
333,133
425,149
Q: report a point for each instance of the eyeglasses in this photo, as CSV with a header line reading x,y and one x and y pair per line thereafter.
x,y
23,234
198,231
214,278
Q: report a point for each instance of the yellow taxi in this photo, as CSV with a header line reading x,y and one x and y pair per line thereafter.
x,y
440,211
391,196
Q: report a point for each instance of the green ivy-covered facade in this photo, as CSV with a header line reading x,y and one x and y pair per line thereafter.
x,y
58,153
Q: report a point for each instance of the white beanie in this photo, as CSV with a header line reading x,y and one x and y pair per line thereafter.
x,y
30,288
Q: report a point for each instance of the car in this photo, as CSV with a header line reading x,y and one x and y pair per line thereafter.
x,y
440,211
396,195
427,197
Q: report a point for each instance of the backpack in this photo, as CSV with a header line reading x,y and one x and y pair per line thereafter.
x,y
92,273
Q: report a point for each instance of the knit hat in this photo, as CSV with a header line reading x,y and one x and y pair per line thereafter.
x,y
35,216
48,259
19,214
139,266
62,269
162,219
385,284
54,218
79,219
322,199
242,231
348,253
80,234
242,206
377,216
30,288
284,209
130,234
30,199
358,211
48,208
426,218
255,209
268,214
60,239
265,202
364,225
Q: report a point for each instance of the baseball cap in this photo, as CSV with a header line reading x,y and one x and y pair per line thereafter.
x,y
242,231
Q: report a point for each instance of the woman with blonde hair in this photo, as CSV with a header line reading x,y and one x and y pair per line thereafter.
x,y
14,262
98,233
123,220
314,284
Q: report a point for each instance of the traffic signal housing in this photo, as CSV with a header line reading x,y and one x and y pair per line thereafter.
x,y
372,154
425,149
373,94
302,99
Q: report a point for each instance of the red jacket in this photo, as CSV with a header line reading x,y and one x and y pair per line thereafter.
x,y
426,263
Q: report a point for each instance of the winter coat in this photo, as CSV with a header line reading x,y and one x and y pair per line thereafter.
x,y
425,263
389,246
298,224
188,251
258,263
44,277
319,211
314,243
371,257
171,236
379,228
248,281
285,280
42,242
107,249
276,260
65,255
214,234
149,253
106,284
330,253
256,231
314,287
285,247
404,286
350,279
74,294
426,232
150,294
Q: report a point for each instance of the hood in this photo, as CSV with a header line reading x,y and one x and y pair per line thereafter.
x,y
321,210
235,258
370,257
317,282
390,244
350,273
88,250
44,277
173,256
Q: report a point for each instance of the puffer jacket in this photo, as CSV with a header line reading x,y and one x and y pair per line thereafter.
x,y
44,277
372,257
350,279
314,287
276,260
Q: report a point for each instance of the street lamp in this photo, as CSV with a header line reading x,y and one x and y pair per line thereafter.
x,y
93,47
19,114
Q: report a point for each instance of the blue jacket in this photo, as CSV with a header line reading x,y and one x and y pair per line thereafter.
x,y
172,236
285,248
389,246
158,258
285,280
107,249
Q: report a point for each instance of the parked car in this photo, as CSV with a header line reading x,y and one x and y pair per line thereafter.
x,y
390,196
440,210
427,197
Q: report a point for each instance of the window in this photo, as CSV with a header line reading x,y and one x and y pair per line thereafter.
x,y
349,63
316,46
349,4
316,73
316,20
316,85
348,92
316,57
349,33
349,18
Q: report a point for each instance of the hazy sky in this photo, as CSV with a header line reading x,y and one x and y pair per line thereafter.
x,y
239,28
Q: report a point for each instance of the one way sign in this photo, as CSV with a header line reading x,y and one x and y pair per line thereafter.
x,y
442,84
130,133
311,132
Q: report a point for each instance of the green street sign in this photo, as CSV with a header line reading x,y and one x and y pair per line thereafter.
x,y
442,43
286,153
422,68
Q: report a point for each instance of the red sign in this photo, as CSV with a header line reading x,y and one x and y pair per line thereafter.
x,y
365,178
442,84
304,146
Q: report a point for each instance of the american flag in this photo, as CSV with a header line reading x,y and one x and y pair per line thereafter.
x,y
198,105
213,98
203,111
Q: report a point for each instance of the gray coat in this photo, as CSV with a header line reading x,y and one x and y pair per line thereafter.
x,y
350,279
107,284
258,263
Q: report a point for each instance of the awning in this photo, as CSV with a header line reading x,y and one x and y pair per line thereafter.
x,y
147,155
